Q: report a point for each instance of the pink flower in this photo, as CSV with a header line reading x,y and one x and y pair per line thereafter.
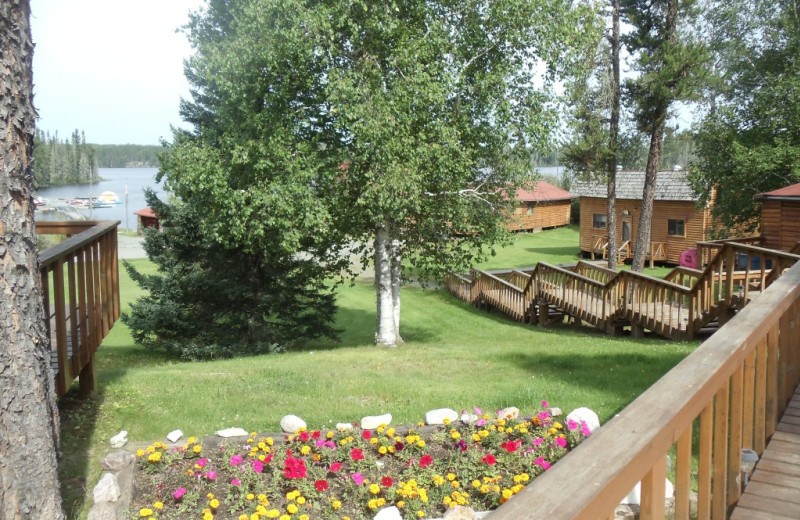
x,y
258,467
489,459
562,442
541,462
358,478
178,493
480,422
366,435
211,475
572,425
544,404
356,454
236,482
544,416
585,429
336,466
236,460
425,461
538,441
511,446
304,436
477,411
201,462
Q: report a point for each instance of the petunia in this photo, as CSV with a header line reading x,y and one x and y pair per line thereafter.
x,y
258,467
321,485
178,493
358,478
562,442
236,460
201,462
366,435
356,454
236,482
489,459
425,461
544,404
538,441
585,429
336,466
511,446
572,425
211,475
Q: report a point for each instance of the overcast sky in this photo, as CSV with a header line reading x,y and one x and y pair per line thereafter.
x,y
112,68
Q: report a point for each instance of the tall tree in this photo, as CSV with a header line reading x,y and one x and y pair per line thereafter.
x,y
750,142
28,415
670,67
397,129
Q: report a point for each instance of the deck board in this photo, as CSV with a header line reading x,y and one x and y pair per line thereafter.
x,y
774,489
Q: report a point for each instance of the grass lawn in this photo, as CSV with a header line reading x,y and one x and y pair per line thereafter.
x,y
455,356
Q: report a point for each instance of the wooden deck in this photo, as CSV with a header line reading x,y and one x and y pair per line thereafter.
x,y
774,489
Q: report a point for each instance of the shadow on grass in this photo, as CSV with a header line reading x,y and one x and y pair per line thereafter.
x,y
569,251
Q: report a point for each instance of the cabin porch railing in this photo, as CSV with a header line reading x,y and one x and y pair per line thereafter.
x,y
80,289
730,392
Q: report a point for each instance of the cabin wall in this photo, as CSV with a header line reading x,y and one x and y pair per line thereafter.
x,y
546,214
780,224
696,223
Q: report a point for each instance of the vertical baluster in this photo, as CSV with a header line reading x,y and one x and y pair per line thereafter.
x,y
719,501
653,491
704,477
735,436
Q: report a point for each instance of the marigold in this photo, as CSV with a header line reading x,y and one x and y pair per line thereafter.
x,y
374,489
214,503
159,505
336,504
291,508
144,513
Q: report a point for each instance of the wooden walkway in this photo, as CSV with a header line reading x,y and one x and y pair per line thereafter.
x,y
774,489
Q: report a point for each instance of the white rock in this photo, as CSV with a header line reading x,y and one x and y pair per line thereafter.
x,y
512,412
554,412
459,513
469,418
233,432
174,435
117,461
371,422
439,415
344,426
119,440
586,415
102,511
635,496
388,513
292,423
107,490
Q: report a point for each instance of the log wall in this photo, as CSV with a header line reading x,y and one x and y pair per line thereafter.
x,y
546,214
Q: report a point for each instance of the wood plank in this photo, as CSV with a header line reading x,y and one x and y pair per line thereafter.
x,y
786,437
765,506
789,428
780,493
775,478
777,466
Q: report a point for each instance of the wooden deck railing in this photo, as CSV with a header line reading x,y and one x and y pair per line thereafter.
x,y
708,248
726,396
80,288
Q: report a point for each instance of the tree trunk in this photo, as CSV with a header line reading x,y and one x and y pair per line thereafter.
x,y
646,216
613,136
396,283
387,287
28,415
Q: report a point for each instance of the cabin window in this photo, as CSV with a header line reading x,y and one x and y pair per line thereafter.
x,y
530,208
599,221
676,228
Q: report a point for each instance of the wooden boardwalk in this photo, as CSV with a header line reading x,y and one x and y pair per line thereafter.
x,y
774,488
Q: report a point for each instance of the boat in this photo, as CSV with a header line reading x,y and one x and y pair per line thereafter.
x,y
87,203
109,197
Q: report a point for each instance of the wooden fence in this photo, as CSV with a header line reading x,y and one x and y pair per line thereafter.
x,y
80,288
728,395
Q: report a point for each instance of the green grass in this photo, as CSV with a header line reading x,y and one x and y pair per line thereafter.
x,y
455,356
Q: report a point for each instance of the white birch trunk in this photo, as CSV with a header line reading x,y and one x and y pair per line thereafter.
x,y
386,330
396,279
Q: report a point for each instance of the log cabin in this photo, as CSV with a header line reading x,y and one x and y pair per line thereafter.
x,y
678,222
541,207
780,217
145,218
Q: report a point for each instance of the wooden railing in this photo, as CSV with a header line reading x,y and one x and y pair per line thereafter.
x,y
707,249
676,307
80,288
727,395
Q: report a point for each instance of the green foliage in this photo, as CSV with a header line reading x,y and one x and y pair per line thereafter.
x,y
69,162
208,300
126,155
750,142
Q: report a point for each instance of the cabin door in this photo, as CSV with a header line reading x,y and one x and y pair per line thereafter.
x,y
626,230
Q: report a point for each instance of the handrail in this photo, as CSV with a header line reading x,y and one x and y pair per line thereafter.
x,y
80,289
736,385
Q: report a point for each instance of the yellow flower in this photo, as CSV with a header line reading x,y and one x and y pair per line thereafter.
x,y
159,505
382,450
273,513
197,448
557,425
140,453
270,441
400,504
420,514
374,489
372,504
455,435
244,517
451,477
456,484
154,457
420,443
144,513
210,496
373,441
214,503
507,493
291,508
336,504
255,516
301,500
330,434
304,517
438,480
446,501
305,450
191,440
249,496
286,517
208,515
261,510
446,421
390,432
391,449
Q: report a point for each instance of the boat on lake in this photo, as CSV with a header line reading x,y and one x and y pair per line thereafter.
x,y
109,197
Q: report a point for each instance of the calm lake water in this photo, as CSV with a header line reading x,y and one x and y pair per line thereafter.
x,y
118,180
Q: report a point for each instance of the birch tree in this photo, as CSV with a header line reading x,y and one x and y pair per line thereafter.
x,y
28,415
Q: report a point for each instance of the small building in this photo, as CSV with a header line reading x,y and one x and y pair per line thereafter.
x,y
780,217
677,223
541,207
145,218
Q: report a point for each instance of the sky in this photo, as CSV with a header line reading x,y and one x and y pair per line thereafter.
x,y
112,68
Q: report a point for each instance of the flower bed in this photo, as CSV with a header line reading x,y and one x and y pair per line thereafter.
x,y
352,474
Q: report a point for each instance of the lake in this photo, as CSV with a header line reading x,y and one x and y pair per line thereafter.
x,y
119,180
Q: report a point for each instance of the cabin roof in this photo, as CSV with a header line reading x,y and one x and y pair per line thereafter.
x,y
787,192
145,212
543,192
670,185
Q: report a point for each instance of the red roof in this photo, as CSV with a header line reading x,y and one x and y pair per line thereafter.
x,y
788,191
543,191
145,212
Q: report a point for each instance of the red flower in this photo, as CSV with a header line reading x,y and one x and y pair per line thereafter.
x,y
356,454
315,434
321,485
294,468
511,446
425,461
387,482
366,435
489,459
336,466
